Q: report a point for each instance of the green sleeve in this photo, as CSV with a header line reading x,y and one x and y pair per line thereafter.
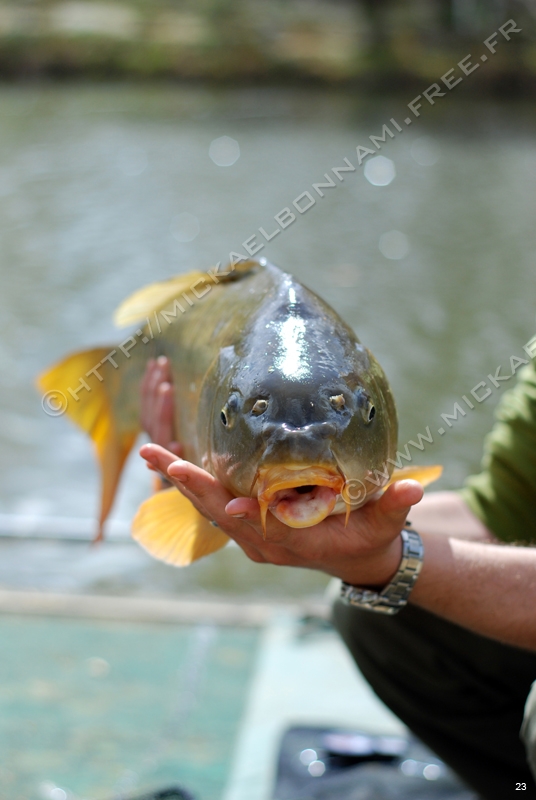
x,y
503,495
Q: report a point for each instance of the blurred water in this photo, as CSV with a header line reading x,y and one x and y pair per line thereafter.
x,y
105,189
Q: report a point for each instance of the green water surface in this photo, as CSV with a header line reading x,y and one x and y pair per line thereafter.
x,y
106,710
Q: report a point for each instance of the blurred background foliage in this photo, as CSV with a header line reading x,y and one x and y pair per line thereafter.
x,y
383,42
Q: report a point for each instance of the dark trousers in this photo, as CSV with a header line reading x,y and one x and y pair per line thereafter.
x,y
464,695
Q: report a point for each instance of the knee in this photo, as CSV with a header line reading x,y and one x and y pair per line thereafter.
x,y
350,621
366,635
401,646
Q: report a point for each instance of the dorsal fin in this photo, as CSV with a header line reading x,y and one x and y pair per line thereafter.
x,y
152,298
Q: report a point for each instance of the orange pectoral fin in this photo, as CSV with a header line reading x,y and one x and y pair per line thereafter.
x,y
424,475
172,530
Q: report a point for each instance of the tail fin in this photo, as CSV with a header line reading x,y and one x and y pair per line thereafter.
x,y
92,408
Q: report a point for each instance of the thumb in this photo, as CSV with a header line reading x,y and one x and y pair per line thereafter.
x,y
395,503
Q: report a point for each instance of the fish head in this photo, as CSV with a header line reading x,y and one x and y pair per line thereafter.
x,y
303,444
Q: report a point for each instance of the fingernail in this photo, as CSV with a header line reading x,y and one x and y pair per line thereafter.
x,y
237,516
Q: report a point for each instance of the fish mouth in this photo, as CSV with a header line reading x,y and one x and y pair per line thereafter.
x,y
298,496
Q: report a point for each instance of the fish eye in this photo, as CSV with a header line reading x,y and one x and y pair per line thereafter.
x,y
370,412
227,414
259,407
337,401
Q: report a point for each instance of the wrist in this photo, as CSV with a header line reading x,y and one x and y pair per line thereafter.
x,y
394,596
376,569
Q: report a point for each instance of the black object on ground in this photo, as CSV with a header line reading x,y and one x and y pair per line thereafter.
x,y
322,764
171,793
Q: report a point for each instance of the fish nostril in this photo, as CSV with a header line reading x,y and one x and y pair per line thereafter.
x,y
327,429
269,429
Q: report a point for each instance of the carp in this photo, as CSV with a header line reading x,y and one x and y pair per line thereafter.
x,y
275,396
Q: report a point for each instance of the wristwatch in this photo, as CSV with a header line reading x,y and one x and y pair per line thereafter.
x,y
395,595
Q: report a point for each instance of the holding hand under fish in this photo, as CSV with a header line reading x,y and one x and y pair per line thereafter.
x,y
275,397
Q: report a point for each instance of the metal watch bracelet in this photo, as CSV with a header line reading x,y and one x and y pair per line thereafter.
x,y
395,595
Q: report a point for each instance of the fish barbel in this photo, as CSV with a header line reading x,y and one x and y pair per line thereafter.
x,y
275,397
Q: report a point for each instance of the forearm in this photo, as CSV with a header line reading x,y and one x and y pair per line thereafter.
x,y
487,588
446,514
467,576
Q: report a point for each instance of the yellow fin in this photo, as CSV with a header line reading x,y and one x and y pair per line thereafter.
x,y
424,475
169,527
152,298
236,271
93,412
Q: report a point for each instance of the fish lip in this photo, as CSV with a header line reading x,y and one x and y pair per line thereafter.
x,y
271,480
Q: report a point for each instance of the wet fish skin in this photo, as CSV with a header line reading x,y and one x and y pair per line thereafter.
x,y
296,353
274,393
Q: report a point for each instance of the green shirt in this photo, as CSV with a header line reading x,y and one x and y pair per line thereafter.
x,y
503,495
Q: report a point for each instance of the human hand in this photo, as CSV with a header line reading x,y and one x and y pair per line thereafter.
x,y
366,552
157,404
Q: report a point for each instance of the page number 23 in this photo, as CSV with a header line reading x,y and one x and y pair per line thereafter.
x,y
521,787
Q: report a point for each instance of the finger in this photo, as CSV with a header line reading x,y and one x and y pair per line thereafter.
x,y
158,460
144,380
157,456
393,506
199,482
144,393
205,492
167,410
243,507
166,397
163,415
165,368
248,509
154,463
154,379
150,397
212,497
